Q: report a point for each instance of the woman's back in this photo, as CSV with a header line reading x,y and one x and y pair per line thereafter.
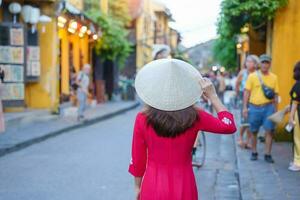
x,y
166,163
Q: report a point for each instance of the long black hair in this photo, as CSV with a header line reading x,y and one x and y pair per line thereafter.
x,y
171,123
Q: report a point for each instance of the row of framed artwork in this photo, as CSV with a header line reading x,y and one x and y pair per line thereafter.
x,y
12,91
10,54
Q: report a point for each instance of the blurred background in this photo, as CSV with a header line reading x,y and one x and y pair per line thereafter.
x,y
45,48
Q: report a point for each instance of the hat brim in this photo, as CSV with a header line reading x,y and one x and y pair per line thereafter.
x,y
168,84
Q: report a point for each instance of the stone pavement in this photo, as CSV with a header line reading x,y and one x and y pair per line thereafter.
x,y
263,181
217,179
28,128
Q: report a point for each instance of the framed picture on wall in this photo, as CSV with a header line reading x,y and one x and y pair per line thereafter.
x,y
33,53
17,55
5,54
13,73
35,68
13,91
16,36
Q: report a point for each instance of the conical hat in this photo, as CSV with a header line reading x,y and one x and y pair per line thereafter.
x,y
168,84
279,115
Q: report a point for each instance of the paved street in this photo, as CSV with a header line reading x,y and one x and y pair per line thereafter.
x,y
91,163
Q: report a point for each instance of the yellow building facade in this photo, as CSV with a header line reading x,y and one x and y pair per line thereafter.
x,y
152,27
285,42
60,50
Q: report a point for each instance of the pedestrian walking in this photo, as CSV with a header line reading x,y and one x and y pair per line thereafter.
x,y
165,131
251,64
295,117
74,86
83,82
2,124
260,101
222,85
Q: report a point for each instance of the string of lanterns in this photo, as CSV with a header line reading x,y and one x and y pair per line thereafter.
x,y
32,16
73,26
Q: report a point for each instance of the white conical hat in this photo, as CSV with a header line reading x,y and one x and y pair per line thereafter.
x,y
168,84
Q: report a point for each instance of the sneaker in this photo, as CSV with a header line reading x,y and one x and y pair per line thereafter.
x,y
269,159
294,168
254,156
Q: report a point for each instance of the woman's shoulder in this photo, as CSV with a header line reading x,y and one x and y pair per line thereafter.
x,y
140,117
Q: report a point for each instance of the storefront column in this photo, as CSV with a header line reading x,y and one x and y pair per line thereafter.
x,y
44,93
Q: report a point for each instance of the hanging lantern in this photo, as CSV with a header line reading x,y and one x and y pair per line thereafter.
x,y
95,37
34,18
80,35
72,26
26,12
61,21
14,8
83,29
44,19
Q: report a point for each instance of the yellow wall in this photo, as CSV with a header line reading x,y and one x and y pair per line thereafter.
x,y
145,35
64,65
145,26
44,94
173,39
285,47
104,6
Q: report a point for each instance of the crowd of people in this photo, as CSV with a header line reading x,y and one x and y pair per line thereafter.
x,y
256,91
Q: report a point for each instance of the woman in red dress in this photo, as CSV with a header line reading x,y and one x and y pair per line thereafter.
x,y
165,131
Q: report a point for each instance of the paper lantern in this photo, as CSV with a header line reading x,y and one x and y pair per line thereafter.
x,y
26,13
14,8
35,16
45,19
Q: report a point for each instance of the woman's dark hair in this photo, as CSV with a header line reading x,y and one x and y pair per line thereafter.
x,y
171,123
297,71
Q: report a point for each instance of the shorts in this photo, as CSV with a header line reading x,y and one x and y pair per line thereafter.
x,y
258,116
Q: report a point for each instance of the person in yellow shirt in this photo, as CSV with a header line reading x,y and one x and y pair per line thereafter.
x,y
260,101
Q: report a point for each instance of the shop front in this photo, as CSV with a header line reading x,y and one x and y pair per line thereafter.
x,y
19,51
77,35
42,44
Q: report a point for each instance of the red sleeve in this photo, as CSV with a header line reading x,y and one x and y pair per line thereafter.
x,y
139,149
223,124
